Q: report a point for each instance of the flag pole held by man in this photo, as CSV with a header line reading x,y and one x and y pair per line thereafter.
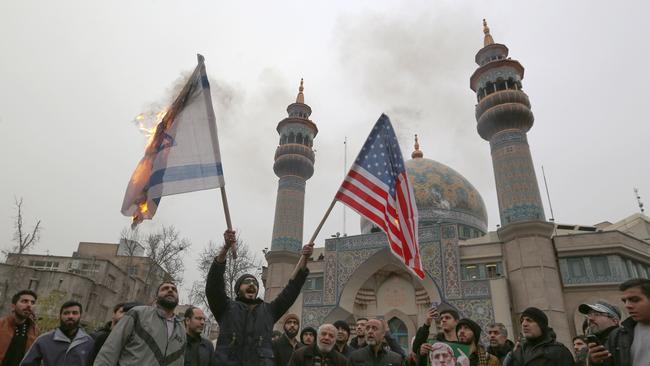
x,y
377,187
183,154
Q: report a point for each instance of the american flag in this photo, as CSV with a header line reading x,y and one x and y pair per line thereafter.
x,y
378,188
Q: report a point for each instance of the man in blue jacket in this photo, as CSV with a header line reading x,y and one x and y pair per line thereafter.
x,y
246,322
67,345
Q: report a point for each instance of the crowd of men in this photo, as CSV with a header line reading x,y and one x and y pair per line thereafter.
x,y
142,335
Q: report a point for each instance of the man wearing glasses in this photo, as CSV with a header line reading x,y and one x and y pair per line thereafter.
x,y
602,319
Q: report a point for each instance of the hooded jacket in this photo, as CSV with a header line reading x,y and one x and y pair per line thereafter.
x,y
56,349
140,338
246,328
480,357
7,329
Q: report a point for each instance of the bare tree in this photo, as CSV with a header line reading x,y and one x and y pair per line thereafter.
x,y
24,239
245,262
165,248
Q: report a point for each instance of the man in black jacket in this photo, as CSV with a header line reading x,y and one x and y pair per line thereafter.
x,y
102,333
246,323
198,351
500,345
539,347
374,353
628,344
284,346
321,352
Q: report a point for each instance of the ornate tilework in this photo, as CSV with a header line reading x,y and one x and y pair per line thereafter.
x,y
507,137
290,244
312,297
451,262
479,310
292,183
430,255
313,316
329,287
476,289
348,262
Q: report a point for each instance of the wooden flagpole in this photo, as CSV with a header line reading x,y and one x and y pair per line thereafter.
x,y
322,221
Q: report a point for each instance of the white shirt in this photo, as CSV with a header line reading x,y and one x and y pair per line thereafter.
x,y
640,349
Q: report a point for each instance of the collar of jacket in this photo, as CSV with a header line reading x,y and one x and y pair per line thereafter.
x,y
629,323
372,352
11,321
163,316
79,338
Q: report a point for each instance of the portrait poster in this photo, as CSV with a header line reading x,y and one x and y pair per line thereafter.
x,y
448,354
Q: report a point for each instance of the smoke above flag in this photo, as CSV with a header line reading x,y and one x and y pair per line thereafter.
x,y
183,153
378,188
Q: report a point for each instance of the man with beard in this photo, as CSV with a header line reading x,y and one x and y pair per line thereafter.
x,y
147,335
18,329
246,322
283,348
469,333
602,319
500,345
374,352
67,345
199,351
308,336
539,347
320,353
101,334
359,340
342,336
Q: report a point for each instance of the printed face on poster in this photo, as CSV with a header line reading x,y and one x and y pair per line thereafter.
x,y
448,354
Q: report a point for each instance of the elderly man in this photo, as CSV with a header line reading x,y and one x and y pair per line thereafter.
x,y
18,329
320,353
374,353
441,354
147,335
246,322
500,345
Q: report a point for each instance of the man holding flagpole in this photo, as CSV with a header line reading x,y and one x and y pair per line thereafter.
x,y
246,322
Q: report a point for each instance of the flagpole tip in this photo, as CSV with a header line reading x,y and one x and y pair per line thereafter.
x,y
200,57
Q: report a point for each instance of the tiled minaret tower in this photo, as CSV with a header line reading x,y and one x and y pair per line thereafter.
x,y
294,164
504,116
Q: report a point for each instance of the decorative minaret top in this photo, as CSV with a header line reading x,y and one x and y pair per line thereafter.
x,y
488,38
504,117
300,98
417,153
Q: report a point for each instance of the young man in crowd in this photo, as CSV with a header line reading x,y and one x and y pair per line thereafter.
x,y
101,334
198,350
374,352
147,335
308,336
500,345
284,347
628,344
342,336
321,352
469,333
18,329
539,348
246,322
359,340
448,320
67,345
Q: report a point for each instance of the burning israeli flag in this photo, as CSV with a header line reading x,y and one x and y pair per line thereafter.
x,y
182,154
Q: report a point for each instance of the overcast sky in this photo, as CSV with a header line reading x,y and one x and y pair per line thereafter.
x,y
74,74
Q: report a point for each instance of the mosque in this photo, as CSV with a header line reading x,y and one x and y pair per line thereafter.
x,y
489,276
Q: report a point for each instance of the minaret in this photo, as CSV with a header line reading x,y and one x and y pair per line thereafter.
x,y
504,117
294,164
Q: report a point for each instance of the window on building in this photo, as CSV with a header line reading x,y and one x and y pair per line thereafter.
x,y
492,270
576,267
33,284
132,270
313,283
399,331
600,266
471,272
48,265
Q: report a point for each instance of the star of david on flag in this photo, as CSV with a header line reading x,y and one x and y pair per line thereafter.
x,y
378,188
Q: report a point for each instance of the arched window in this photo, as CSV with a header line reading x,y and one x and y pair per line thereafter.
x,y
299,138
399,331
292,138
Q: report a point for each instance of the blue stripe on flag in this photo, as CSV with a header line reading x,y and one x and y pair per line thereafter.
x,y
185,172
204,82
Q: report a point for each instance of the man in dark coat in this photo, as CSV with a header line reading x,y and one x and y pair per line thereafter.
x,y
308,336
284,346
374,352
539,347
342,336
199,351
469,333
500,345
321,352
246,322
102,333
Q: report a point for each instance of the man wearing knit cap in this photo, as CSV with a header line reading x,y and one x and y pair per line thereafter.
x,y
468,332
538,347
284,346
246,322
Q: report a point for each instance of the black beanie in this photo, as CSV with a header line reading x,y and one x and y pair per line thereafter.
x,y
342,324
241,279
538,316
476,329
308,330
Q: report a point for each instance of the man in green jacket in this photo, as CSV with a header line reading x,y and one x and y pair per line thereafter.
x,y
147,335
